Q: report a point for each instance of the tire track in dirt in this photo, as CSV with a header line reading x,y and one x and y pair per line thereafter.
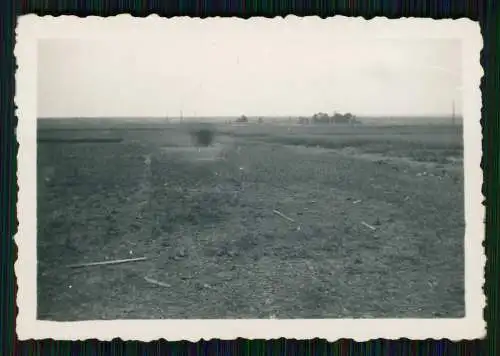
x,y
175,243
139,225
126,282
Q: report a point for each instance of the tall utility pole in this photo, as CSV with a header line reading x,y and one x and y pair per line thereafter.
x,y
453,113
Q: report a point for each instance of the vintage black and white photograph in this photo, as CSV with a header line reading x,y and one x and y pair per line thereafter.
x,y
270,170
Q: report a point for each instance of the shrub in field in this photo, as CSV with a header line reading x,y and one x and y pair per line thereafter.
x,y
203,136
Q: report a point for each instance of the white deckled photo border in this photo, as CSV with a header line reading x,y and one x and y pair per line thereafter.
x,y
32,28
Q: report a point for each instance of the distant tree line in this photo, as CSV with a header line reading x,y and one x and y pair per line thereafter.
x,y
318,118
336,118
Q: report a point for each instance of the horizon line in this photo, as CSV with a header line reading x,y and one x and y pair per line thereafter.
x,y
457,115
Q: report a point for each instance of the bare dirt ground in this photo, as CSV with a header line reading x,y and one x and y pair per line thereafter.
x,y
204,219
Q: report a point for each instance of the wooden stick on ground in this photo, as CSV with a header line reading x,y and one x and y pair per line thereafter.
x,y
113,262
158,283
283,216
368,226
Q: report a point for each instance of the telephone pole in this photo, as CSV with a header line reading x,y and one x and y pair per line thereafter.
x,y
453,113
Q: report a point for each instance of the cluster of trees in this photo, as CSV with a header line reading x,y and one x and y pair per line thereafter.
x,y
242,118
323,118
336,118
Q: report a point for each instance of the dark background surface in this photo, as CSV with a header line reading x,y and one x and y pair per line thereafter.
x,y
484,11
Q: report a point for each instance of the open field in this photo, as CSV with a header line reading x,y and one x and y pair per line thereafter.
x,y
377,230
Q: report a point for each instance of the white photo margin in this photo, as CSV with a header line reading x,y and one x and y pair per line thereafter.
x,y
32,28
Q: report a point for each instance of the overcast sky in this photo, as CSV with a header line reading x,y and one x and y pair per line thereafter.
x,y
206,72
